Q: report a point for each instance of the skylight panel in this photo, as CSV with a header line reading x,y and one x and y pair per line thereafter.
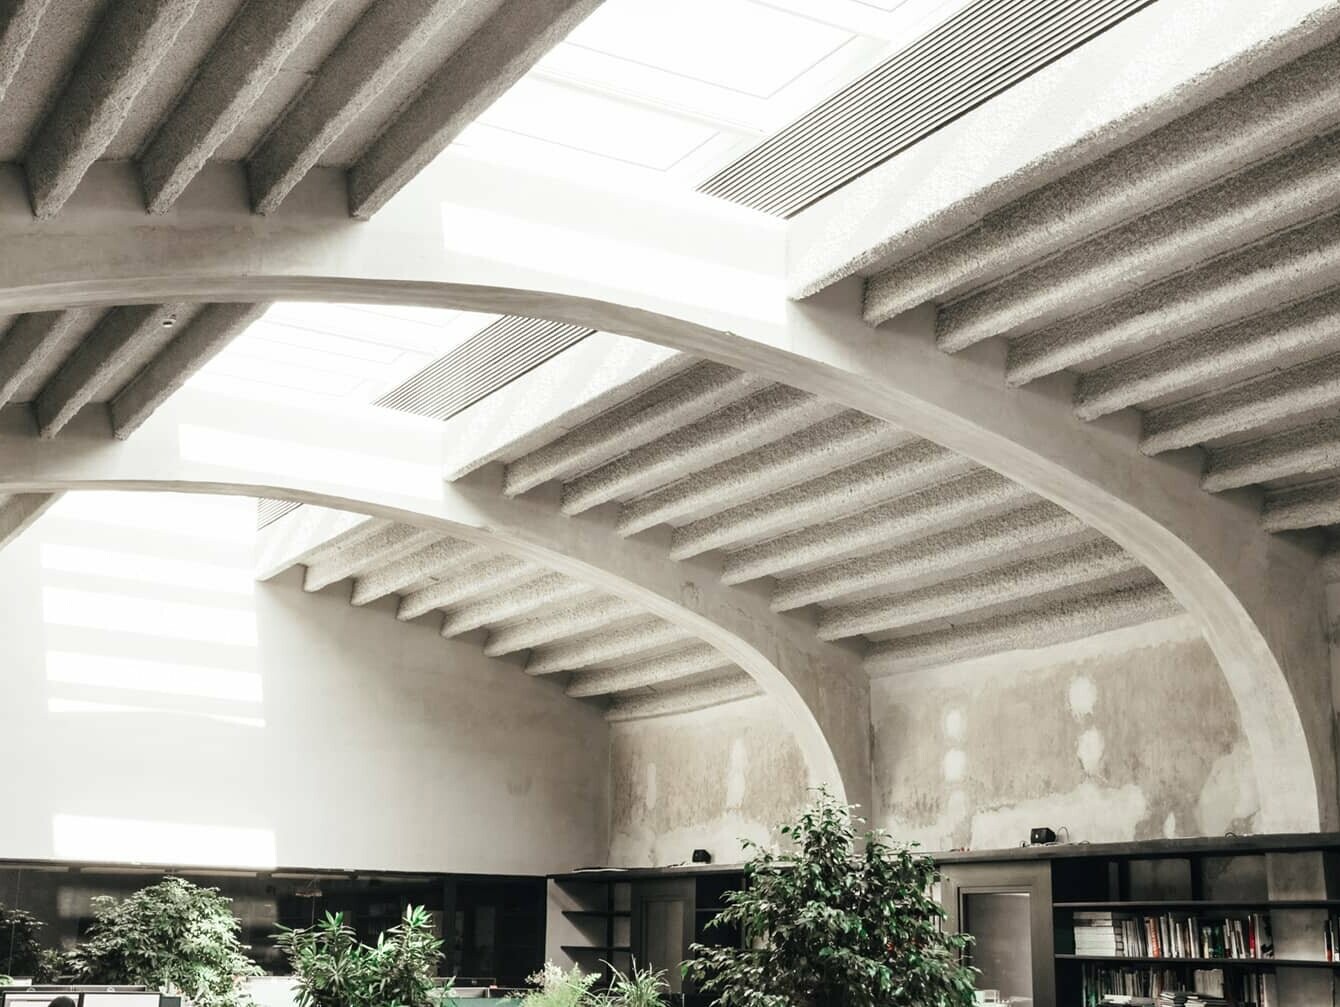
x,y
596,124
741,45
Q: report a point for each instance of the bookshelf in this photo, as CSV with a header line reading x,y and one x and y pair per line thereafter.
x,y
651,916
1249,916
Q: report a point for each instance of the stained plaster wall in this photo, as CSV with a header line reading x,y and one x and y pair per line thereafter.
x,y
701,780
1127,735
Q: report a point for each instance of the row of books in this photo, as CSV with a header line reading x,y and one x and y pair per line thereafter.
x,y
1104,986
1174,935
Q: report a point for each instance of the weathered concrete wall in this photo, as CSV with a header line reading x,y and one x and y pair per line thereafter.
x,y
167,708
701,780
1128,735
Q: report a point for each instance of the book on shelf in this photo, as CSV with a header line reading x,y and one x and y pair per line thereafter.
x,y
1103,985
1180,935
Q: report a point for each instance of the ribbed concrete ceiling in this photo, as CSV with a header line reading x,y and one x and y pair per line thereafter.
x,y
1193,274
131,358
376,88
924,556
608,647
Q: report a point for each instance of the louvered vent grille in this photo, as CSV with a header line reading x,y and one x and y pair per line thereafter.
x,y
481,365
981,51
270,511
491,358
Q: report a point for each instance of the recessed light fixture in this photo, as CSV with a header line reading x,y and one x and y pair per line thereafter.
x,y
169,322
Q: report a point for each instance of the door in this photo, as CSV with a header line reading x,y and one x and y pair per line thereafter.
x,y
1007,908
663,926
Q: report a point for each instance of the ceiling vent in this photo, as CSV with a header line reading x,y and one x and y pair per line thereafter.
x,y
982,50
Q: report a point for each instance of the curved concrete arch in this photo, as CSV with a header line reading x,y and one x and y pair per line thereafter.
x,y
1211,553
819,688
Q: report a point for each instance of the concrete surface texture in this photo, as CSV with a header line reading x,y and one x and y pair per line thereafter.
x,y
915,552
901,472
377,89
701,780
1189,273
1129,735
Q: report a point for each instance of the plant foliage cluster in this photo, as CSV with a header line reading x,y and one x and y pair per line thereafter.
x,y
334,968
172,936
835,923
21,951
637,987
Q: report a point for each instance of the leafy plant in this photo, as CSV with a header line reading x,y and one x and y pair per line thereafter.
x,y
173,936
646,987
21,952
335,969
828,926
560,989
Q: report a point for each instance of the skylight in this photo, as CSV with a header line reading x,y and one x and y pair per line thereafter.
x,y
328,353
659,94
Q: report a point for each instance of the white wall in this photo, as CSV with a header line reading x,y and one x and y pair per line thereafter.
x,y
159,705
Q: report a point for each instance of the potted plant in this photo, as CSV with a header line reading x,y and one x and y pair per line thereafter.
x,y
173,936
556,988
835,924
333,968
21,953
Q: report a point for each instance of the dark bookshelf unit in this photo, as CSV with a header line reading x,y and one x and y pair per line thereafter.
x,y
1255,914
651,916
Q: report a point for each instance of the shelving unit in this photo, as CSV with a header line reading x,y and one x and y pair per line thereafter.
x,y
598,916
1290,883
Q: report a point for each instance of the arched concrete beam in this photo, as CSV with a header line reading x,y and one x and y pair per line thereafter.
x,y
206,443
710,281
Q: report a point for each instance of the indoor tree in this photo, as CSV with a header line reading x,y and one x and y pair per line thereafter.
x,y
841,920
21,952
174,936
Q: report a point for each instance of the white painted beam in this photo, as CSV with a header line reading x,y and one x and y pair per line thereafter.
x,y
30,341
382,548
950,504
499,573
728,688
1039,529
621,644
1309,450
690,396
19,511
747,424
1092,561
576,620
875,481
657,670
207,333
844,440
515,601
1215,356
19,20
375,51
125,50
1072,619
1286,191
1243,407
104,352
494,58
1294,265
234,74
428,563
